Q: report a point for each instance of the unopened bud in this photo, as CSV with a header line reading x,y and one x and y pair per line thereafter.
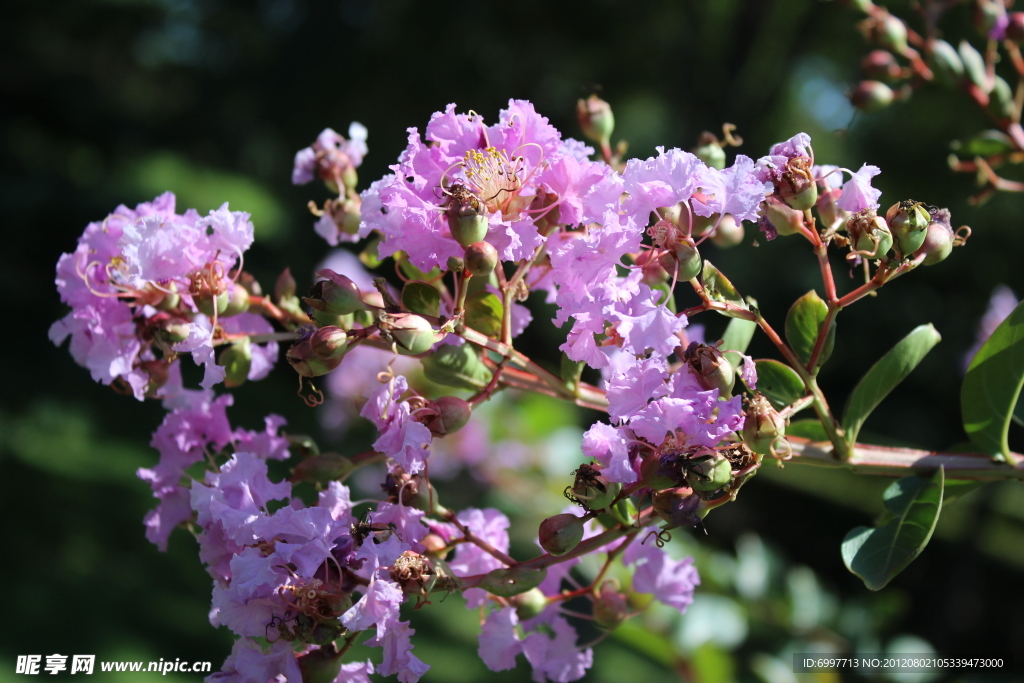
x,y
611,607
467,216
709,150
871,96
869,235
797,186
677,506
529,604
831,215
329,343
412,334
334,294
785,219
456,264
237,361
946,62
447,415
1000,103
434,545
481,258
937,245
762,424
888,31
210,304
561,533
880,65
707,470
712,369
285,286
301,357
728,234
238,301
320,665
908,220
595,119
345,215
591,489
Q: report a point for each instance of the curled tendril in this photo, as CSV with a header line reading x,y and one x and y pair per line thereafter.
x,y
660,537
314,398
780,449
960,240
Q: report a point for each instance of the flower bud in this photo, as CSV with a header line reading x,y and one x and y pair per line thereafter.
x,y
456,264
677,506
1000,100
345,214
871,96
880,65
1015,28
301,357
411,333
946,62
481,258
656,266
785,219
762,424
329,343
334,294
937,245
712,369
321,665
728,234
596,119
413,573
446,415
591,489
238,301
707,470
797,186
285,286
236,360
467,216
869,235
888,31
709,150
561,533
529,604
908,220
434,545
611,607
831,215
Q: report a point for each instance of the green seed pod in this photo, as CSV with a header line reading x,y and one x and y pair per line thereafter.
x,y
762,424
238,301
690,264
712,369
206,303
529,604
797,186
707,470
237,361
869,234
908,221
1000,103
467,216
946,62
329,343
301,357
785,219
591,489
559,534
728,234
709,150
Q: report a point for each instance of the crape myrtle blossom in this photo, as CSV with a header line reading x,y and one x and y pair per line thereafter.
x,y
331,155
143,286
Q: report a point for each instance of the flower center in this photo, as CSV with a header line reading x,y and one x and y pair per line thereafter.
x,y
491,173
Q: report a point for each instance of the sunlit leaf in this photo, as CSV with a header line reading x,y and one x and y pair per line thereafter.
x,y
778,382
803,322
877,555
719,288
992,386
420,297
483,313
890,370
456,366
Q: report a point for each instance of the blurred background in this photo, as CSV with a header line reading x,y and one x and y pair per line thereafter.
x,y
116,101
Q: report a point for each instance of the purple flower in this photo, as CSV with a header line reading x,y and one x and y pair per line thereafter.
x,y
609,446
857,191
248,663
401,438
378,606
665,180
629,390
330,155
499,642
398,656
736,190
557,658
671,581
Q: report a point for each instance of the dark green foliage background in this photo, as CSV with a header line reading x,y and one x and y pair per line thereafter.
x,y
115,101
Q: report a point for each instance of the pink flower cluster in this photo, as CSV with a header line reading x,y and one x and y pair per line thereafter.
x,y
145,285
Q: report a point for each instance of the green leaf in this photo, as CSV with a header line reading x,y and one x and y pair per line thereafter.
x,y
420,297
456,366
808,429
890,370
719,288
985,144
803,322
958,488
412,272
508,582
877,555
483,313
571,371
778,382
992,386
737,336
